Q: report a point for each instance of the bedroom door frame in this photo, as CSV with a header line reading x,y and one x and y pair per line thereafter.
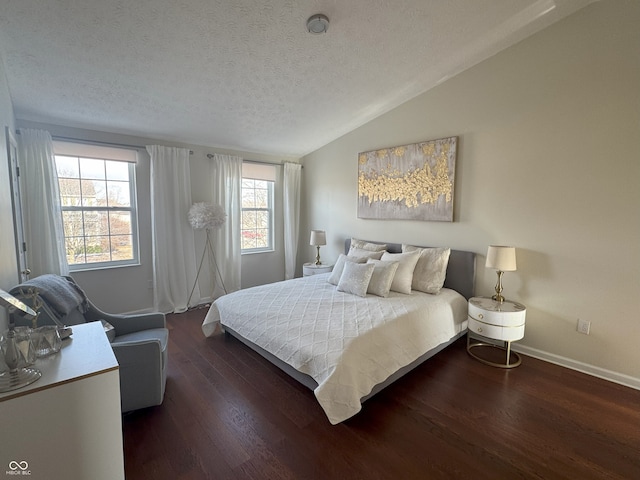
x,y
16,205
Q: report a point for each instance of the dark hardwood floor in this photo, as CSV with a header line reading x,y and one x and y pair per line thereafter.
x,y
228,414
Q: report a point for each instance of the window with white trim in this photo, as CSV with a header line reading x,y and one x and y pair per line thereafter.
x,y
256,231
98,200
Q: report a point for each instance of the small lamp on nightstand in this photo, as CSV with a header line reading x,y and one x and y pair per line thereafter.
x,y
502,259
318,238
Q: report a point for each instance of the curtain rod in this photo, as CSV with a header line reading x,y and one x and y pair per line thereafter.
x,y
98,142
260,162
112,144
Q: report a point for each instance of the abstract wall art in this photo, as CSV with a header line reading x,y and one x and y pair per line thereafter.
x,y
409,182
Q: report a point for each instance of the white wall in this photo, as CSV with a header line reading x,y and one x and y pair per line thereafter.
x,y
132,286
548,161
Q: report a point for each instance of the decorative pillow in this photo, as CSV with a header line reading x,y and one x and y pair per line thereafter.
x,y
361,253
372,247
382,277
336,273
355,278
404,275
431,268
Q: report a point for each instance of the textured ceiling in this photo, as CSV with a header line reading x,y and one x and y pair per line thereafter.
x,y
245,74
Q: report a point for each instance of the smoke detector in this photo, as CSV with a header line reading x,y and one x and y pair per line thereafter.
x,y
318,23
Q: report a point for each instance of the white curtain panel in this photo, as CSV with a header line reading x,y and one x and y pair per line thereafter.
x,y
291,217
174,254
227,190
42,215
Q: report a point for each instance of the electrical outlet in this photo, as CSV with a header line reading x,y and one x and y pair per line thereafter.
x,y
583,326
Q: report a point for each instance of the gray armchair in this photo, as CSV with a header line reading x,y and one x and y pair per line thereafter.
x,y
140,341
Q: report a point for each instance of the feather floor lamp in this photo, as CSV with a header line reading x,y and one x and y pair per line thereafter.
x,y
207,216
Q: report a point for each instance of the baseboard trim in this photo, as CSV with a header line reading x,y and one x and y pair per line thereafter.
x,y
603,373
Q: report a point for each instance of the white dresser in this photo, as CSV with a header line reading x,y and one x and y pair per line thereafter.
x,y
502,321
67,424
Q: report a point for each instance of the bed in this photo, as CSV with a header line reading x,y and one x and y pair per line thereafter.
x,y
345,347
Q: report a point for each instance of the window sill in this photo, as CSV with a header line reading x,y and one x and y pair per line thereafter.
x,y
256,252
73,269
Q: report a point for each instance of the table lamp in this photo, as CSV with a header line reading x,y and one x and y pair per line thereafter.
x,y
318,238
502,259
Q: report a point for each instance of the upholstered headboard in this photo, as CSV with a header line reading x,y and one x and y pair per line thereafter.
x,y
461,271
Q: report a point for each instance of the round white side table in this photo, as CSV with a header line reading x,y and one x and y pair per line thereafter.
x,y
503,321
313,269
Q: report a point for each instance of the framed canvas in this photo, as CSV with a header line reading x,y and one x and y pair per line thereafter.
x,y
409,182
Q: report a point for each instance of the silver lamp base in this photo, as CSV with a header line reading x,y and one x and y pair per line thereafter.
x,y
18,378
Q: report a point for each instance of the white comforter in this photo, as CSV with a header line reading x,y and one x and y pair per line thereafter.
x,y
348,344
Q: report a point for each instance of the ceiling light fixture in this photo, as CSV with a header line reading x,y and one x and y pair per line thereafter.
x,y
318,23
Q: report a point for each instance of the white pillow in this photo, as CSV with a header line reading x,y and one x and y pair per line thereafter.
x,y
382,277
361,253
373,247
336,273
404,275
431,269
355,278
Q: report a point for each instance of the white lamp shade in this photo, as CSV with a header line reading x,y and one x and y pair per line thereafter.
x,y
318,237
501,258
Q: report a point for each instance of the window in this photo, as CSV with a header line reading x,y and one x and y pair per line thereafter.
x,y
97,195
258,182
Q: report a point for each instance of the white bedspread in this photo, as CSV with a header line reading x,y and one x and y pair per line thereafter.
x,y
348,344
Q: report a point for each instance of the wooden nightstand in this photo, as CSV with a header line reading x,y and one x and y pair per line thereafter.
x,y
497,321
313,269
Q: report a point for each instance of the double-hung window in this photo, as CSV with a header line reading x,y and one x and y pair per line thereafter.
x,y
98,200
258,181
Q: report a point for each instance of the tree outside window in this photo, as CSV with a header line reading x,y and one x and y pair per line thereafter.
x,y
257,215
97,211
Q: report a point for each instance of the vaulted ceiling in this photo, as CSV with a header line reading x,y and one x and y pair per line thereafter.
x,y
246,74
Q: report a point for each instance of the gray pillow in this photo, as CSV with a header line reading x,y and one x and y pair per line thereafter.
x,y
355,278
382,277
336,273
431,269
